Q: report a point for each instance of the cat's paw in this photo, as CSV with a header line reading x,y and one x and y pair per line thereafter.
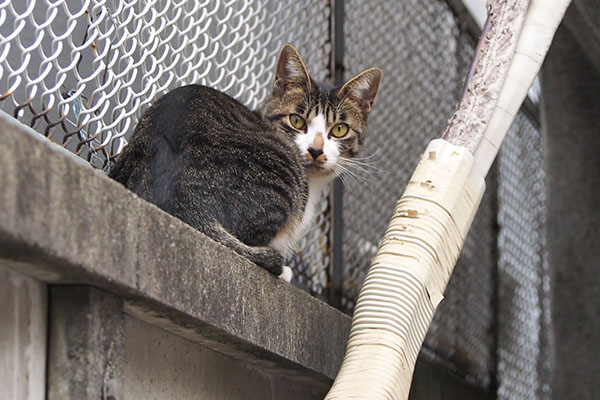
x,y
286,274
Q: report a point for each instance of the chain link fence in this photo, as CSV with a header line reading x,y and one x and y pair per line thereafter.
x,y
425,57
489,327
524,343
82,72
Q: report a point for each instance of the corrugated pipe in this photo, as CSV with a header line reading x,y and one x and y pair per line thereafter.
x,y
411,269
409,274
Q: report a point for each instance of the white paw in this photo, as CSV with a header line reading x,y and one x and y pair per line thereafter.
x,y
286,274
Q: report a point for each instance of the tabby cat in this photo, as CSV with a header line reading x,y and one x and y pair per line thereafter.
x,y
248,179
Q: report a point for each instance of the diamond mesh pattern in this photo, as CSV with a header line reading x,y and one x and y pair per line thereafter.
x,y
425,57
415,43
82,72
523,277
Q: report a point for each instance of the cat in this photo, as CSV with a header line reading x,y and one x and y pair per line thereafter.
x,y
249,179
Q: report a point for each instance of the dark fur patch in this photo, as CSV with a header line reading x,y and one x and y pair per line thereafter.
x,y
205,158
235,174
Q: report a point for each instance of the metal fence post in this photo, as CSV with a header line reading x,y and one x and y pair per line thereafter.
x,y
337,190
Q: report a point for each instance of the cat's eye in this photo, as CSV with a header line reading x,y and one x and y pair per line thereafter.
x,y
340,130
297,121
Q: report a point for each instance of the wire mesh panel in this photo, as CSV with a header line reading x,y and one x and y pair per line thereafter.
x,y
523,277
415,43
82,72
424,56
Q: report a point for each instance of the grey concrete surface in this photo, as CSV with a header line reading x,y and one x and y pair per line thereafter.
x,y
162,366
571,125
23,305
67,224
86,344
62,222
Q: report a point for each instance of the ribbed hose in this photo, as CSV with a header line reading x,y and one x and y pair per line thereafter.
x,y
408,275
418,252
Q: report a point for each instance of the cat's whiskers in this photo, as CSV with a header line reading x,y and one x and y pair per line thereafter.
x,y
375,153
344,180
352,183
363,167
348,180
344,172
359,167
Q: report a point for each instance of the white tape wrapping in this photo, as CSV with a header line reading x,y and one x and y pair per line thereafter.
x,y
541,22
408,275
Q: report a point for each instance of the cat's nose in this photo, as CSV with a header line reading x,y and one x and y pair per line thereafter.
x,y
315,153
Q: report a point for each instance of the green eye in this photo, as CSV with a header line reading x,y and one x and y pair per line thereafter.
x,y
297,121
340,130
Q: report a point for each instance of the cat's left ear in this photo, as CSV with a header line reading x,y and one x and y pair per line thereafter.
x,y
363,88
290,70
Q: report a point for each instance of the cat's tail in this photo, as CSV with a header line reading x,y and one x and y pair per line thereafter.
x,y
264,256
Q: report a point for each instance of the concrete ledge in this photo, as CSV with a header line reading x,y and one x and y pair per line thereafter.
x,y
62,222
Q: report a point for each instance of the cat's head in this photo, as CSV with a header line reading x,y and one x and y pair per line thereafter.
x,y
329,124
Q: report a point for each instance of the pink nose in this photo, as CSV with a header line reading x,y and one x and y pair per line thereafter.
x,y
318,142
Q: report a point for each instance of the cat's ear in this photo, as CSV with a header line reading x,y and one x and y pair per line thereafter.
x,y
290,70
363,88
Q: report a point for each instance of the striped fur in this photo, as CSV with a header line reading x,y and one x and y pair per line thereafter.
x,y
243,177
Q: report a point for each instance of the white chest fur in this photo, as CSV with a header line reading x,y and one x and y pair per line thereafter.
x,y
315,189
286,239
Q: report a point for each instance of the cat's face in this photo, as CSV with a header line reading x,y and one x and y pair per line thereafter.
x,y
328,124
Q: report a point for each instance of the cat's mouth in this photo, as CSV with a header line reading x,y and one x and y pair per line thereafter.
x,y
316,168
315,162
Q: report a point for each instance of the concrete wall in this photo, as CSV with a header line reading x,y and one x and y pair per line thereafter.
x,y
143,306
163,366
142,262
22,336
